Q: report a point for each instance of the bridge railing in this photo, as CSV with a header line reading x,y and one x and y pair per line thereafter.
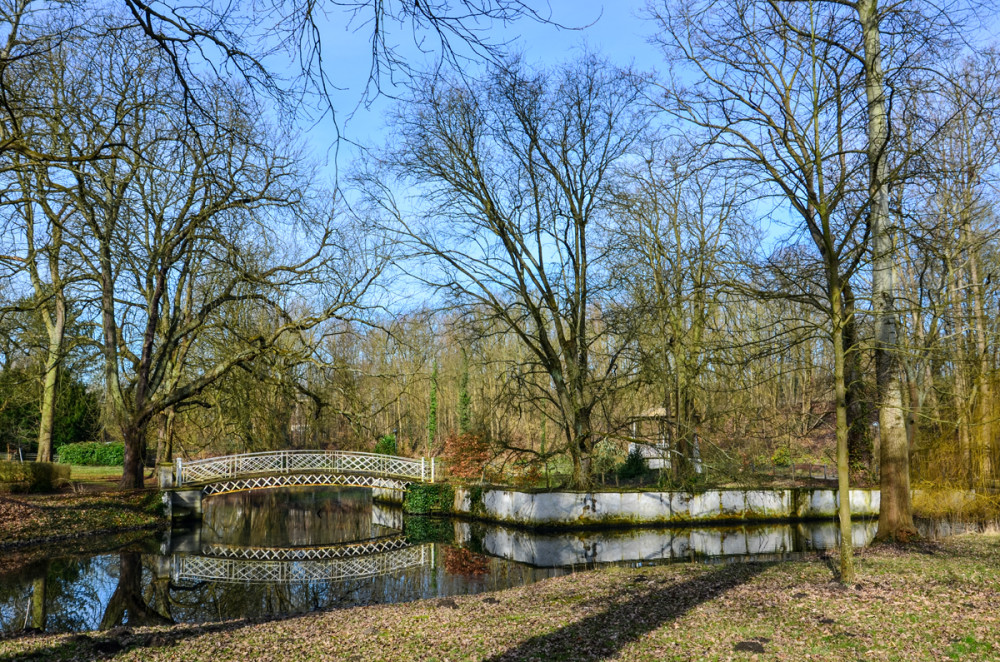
x,y
348,462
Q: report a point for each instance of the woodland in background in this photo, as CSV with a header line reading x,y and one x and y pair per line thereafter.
x,y
738,262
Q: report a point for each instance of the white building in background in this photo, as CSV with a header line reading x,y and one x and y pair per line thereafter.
x,y
657,450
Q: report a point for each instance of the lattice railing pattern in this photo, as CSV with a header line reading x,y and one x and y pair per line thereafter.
x,y
340,551
403,469
302,480
203,568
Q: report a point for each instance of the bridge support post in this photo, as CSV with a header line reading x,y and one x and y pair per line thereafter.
x,y
183,503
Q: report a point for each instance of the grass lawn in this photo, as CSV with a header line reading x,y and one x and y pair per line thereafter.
x,y
933,601
95,474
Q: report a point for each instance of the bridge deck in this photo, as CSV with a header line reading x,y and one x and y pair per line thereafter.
x,y
245,469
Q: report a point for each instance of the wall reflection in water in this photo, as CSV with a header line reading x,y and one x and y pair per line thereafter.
x,y
345,551
650,545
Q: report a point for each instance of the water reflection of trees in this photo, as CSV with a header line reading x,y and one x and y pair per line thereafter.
x,y
57,596
289,517
130,604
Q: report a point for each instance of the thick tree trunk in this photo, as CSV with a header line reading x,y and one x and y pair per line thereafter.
x,y
135,449
895,513
580,444
56,328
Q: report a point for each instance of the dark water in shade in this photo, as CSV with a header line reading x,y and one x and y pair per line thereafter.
x,y
274,552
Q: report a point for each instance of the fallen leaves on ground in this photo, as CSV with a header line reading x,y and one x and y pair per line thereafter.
x,y
930,602
37,519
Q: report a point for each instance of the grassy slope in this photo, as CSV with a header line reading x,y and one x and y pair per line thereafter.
x,y
934,602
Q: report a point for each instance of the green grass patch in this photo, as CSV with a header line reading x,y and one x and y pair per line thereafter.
x,y
967,647
86,474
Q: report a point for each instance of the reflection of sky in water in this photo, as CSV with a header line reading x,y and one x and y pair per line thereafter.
x,y
77,591
483,558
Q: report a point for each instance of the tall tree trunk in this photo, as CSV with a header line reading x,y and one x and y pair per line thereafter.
x,y
53,361
960,363
895,512
165,437
843,465
38,595
983,410
860,448
56,328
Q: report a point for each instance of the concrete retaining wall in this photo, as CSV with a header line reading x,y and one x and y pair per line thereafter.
x,y
385,495
569,509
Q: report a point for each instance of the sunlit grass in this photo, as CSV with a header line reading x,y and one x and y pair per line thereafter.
x,y
82,473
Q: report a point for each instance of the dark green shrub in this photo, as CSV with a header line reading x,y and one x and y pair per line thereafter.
x,y
428,498
32,476
634,465
93,454
386,444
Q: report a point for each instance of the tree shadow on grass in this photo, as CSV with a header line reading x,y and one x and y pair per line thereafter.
x,y
646,605
94,646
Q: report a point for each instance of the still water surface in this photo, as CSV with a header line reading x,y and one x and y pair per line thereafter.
x,y
266,553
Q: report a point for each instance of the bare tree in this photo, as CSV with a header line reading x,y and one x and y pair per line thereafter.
x,y
512,175
779,108
201,43
672,224
181,228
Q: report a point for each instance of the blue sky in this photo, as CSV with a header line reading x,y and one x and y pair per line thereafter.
x,y
613,29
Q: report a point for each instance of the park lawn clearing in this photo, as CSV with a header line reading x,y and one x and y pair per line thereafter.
x,y
39,519
933,601
98,475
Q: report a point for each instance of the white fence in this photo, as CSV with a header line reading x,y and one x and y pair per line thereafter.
x,y
293,462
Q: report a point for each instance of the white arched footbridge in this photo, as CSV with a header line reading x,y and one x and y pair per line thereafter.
x,y
188,481
250,471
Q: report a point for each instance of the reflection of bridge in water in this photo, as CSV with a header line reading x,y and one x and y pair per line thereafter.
x,y
290,565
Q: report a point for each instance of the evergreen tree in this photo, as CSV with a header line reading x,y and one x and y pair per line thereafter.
x,y
464,400
432,410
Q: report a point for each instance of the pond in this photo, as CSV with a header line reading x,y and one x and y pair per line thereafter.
x,y
275,552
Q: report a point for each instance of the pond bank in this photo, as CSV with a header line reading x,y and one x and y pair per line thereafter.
x,y
933,601
44,519
567,509
581,510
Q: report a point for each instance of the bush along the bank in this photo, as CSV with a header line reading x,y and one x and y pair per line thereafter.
x,y
386,445
93,454
19,477
428,499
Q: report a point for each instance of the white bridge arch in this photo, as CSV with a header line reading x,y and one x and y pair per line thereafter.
x,y
250,471
270,570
